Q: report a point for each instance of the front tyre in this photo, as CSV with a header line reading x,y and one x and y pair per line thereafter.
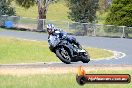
x,y
85,59
63,55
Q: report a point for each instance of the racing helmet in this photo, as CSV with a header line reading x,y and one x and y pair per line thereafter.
x,y
50,28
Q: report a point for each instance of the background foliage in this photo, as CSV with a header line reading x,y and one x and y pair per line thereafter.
x,y
82,10
120,13
5,8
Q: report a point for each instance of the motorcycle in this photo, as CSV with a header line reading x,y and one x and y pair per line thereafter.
x,y
68,52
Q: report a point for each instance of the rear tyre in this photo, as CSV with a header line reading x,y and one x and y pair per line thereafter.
x,y
63,55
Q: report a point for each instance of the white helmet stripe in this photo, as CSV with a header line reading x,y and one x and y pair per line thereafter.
x,y
51,26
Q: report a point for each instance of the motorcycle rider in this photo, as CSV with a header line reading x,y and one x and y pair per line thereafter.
x,y
54,32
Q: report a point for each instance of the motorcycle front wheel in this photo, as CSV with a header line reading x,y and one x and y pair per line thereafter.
x,y
86,58
63,55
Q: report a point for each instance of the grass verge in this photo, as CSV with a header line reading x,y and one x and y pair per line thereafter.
x,y
57,81
1,29
22,51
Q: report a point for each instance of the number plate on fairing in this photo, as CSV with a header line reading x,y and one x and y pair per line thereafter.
x,y
81,51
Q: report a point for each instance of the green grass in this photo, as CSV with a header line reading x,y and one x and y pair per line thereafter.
x,y
57,14
1,29
96,53
22,51
18,51
57,81
130,35
57,11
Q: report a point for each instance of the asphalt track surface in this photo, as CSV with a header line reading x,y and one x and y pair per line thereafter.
x,y
115,44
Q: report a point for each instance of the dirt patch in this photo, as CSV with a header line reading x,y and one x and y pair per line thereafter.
x,y
53,70
32,71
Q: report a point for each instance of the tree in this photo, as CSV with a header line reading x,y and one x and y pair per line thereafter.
x,y
120,13
5,8
104,5
42,8
83,11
